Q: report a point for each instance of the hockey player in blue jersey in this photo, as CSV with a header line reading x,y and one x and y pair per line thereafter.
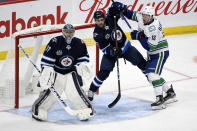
x,y
64,63
104,35
150,35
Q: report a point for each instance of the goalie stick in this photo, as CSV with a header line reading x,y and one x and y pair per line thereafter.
x,y
52,89
118,73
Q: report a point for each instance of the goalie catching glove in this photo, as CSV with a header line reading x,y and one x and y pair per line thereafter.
x,y
85,70
47,77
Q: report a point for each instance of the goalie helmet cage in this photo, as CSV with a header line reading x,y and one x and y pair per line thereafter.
x,y
40,33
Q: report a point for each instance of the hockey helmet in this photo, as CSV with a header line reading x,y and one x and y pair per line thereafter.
x,y
68,32
148,10
99,14
68,27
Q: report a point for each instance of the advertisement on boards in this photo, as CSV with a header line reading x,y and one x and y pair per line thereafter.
x,y
24,14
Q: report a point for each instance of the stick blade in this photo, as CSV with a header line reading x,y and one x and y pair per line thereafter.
x,y
115,101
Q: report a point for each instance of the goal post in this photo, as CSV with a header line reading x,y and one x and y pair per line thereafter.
x,y
46,30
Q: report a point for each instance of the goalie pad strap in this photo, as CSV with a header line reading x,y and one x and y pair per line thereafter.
x,y
81,94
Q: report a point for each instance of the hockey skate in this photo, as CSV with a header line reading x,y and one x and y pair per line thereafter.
x,y
90,95
159,103
170,96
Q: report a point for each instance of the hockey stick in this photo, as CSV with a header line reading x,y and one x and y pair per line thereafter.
x,y
118,73
126,23
124,19
20,47
52,89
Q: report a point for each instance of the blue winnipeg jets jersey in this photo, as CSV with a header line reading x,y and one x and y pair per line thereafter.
x,y
105,37
63,57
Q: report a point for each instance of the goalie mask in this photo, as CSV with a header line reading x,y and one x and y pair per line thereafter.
x,y
68,32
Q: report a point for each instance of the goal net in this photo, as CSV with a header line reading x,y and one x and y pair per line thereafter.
x,y
19,76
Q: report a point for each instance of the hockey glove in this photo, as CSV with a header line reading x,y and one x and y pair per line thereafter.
x,y
85,71
137,35
117,52
121,6
114,11
47,77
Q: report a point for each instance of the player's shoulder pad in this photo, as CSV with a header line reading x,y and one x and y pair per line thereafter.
x,y
97,32
56,39
153,26
78,40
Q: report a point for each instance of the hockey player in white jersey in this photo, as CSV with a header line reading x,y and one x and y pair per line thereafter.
x,y
64,66
150,35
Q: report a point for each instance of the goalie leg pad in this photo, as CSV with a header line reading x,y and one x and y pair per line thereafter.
x,y
45,102
77,97
42,116
85,114
37,110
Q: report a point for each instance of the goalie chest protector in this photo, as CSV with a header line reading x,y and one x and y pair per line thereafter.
x,y
63,56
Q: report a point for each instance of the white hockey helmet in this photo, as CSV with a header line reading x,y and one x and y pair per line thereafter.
x,y
148,10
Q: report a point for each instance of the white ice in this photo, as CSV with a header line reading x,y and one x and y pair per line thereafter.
x,y
180,70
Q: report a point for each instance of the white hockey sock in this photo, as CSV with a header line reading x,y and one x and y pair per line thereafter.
x,y
165,87
158,90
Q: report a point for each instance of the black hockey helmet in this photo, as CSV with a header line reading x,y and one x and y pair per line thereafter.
x,y
99,14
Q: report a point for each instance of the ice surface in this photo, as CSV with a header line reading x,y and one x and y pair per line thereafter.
x,y
180,70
